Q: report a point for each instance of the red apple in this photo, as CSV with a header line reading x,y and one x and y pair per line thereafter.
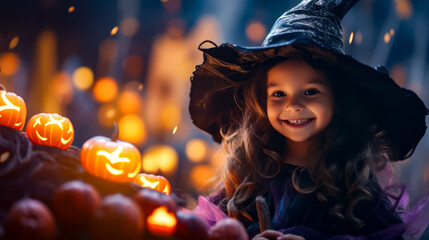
x,y
228,229
190,227
149,199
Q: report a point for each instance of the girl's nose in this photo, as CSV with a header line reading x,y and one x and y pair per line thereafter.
x,y
294,105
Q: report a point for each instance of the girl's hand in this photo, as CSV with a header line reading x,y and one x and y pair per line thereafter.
x,y
272,234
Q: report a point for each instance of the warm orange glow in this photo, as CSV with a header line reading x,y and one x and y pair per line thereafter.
x,y
109,159
404,8
107,115
386,37
50,130
133,129
71,9
129,102
175,130
9,63
161,222
62,87
12,110
4,157
129,26
170,117
218,159
196,150
105,89
256,32
133,65
351,38
83,78
201,174
160,158
392,32
13,43
399,75
156,182
114,30
140,87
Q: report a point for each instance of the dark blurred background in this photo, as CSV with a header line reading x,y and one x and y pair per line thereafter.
x,y
129,61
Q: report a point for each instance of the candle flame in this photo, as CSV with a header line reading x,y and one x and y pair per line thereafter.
x,y
175,130
351,38
161,222
71,9
114,31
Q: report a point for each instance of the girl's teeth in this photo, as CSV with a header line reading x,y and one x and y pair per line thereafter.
x,y
298,122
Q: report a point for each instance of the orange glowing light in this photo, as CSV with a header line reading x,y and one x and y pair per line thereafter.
x,y
129,26
256,31
140,87
50,130
111,159
392,32
351,38
62,87
13,43
162,158
386,37
71,9
129,101
105,89
114,30
155,182
170,116
201,174
9,63
196,150
161,222
83,77
404,8
175,130
133,129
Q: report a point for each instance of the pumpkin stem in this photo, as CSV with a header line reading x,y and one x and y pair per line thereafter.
x,y
2,87
115,134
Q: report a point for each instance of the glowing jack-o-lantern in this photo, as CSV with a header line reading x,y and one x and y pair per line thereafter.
x,y
161,222
155,182
12,109
111,159
50,129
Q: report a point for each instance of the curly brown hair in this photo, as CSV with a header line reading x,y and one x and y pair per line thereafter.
x,y
351,148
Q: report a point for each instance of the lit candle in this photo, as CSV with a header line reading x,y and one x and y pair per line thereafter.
x,y
161,222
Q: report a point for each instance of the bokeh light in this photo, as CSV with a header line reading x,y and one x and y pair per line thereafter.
x,y
196,150
358,38
114,31
129,26
83,78
256,31
161,158
129,102
170,117
201,174
404,8
9,63
107,115
13,43
71,9
62,87
105,89
132,129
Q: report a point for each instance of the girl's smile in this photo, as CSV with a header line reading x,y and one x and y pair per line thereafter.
x,y
300,103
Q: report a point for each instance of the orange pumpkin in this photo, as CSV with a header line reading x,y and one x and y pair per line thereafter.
x,y
12,109
158,183
111,159
50,129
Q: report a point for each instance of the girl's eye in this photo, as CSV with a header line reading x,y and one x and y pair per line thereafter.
x,y
311,92
278,94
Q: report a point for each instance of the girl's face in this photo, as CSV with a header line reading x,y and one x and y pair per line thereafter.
x,y
300,103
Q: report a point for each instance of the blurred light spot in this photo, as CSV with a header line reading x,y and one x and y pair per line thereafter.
x,y
219,158
170,117
71,9
114,31
4,156
201,174
358,38
105,89
399,75
196,150
386,37
162,158
131,86
63,87
351,38
107,115
172,5
176,28
129,101
392,32
133,65
9,63
83,78
140,87
404,8
256,32
108,49
132,129
175,130
129,26
13,43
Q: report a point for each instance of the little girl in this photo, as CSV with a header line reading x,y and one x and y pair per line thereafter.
x,y
309,129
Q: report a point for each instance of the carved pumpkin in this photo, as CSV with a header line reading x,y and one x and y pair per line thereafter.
x,y
12,109
111,159
158,183
50,129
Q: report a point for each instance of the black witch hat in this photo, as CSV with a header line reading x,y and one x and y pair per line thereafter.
x,y
313,27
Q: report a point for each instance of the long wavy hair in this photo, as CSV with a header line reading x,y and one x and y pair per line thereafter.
x,y
351,149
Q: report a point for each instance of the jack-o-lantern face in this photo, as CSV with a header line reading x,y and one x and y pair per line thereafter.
x,y
158,183
12,110
50,130
116,161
